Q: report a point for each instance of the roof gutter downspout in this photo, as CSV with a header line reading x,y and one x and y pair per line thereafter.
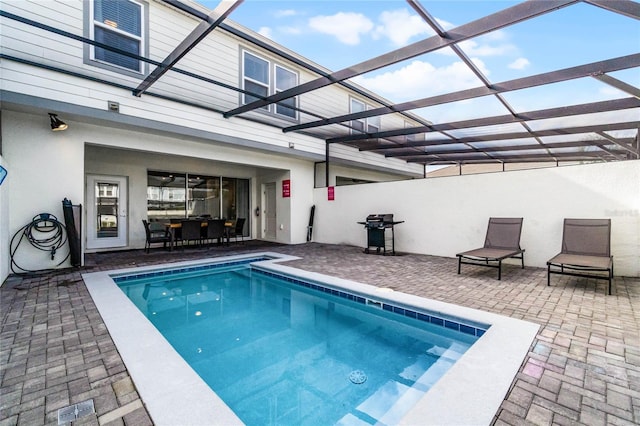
x,y
326,167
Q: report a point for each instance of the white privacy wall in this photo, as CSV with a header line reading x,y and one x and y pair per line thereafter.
x,y
444,216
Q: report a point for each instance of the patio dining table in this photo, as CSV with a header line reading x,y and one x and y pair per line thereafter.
x,y
172,226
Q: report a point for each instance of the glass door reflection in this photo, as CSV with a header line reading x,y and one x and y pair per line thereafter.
x,y
107,196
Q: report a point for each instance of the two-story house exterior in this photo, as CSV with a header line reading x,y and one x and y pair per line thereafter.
x,y
168,152
173,111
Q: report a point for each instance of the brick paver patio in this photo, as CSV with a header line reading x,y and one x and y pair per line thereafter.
x,y
583,367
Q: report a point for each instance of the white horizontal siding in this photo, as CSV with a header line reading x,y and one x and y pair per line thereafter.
x,y
27,80
335,100
24,40
19,47
57,51
64,15
83,92
194,91
216,57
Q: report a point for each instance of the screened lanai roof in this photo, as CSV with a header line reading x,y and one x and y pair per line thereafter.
x,y
599,121
604,129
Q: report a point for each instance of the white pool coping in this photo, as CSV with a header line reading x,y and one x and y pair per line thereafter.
x,y
470,393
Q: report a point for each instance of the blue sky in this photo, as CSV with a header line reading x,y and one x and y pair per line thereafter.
x,y
337,34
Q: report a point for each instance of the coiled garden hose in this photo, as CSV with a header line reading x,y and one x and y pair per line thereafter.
x,y
45,233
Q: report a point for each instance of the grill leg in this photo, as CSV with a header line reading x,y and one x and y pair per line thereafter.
x,y
459,264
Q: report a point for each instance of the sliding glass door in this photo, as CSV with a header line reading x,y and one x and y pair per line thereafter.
x,y
183,195
204,196
166,195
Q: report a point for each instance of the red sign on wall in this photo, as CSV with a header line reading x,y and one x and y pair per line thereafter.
x,y
286,188
330,193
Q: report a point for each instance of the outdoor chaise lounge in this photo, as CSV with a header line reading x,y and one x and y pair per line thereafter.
x,y
586,250
502,242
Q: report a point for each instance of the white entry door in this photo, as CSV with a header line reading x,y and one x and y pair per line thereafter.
x,y
269,203
106,211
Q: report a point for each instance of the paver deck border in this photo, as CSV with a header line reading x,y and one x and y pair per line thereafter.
x,y
470,392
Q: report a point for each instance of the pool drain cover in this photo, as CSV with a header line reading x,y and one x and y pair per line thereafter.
x,y
73,412
358,377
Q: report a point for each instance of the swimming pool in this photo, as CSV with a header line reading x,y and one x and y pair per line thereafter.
x,y
279,350
470,391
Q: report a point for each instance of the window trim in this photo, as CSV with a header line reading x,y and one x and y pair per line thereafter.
x,y
270,109
410,137
89,32
362,121
276,90
373,122
367,123
244,78
241,206
413,136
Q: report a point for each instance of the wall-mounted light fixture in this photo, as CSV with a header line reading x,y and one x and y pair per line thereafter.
x,y
56,123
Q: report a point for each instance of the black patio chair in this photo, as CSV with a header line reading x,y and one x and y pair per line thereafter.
x,y
215,230
191,231
155,233
237,230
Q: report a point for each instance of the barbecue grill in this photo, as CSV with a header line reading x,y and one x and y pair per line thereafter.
x,y
376,225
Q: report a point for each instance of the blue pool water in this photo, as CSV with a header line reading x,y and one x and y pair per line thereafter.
x,y
280,350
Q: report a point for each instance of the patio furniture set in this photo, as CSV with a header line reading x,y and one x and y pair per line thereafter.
x,y
185,231
585,252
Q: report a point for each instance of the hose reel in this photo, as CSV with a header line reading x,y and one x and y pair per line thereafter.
x,y
45,233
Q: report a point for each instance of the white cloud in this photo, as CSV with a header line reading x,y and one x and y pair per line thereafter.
x,y
497,35
446,25
266,32
346,27
610,92
519,64
285,13
400,26
473,48
290,30
495,43
421,79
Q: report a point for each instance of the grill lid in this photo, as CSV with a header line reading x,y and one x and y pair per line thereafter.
x,y
385,218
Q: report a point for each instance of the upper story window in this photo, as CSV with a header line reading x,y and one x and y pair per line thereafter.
x,y
373,123
411,137
286,79
263,78
120,24
357,125
368,125
256,77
